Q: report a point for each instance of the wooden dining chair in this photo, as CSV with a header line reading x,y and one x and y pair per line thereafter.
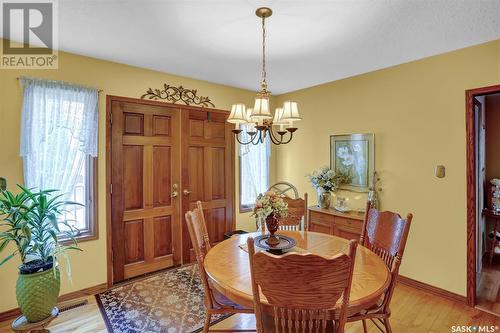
x,y
215,302
302,290
285,188
384,233
297,215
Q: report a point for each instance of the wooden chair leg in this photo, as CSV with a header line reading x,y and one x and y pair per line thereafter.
x,y
388,328
365,329
208,319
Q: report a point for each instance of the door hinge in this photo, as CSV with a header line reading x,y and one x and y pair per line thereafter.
x,y
111,118
110,188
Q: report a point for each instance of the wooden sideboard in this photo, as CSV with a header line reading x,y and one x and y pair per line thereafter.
x,y
330,221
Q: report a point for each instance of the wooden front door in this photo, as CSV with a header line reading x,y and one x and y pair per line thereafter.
x,y
207,173
145,167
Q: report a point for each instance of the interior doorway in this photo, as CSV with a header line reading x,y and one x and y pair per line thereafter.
x,y
483,198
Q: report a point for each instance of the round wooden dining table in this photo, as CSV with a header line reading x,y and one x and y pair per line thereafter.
x,y
228,268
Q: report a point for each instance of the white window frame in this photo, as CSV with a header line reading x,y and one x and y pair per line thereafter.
x,y
90,231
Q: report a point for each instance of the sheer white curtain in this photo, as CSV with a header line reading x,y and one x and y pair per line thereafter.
x,y
58,130
254,168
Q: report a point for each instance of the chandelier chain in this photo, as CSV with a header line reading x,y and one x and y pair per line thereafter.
x,y
264,52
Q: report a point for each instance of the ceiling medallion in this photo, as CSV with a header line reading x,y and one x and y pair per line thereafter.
x,y
176,94
258,122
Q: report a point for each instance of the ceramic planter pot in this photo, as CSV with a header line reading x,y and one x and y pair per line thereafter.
x,y
37,293
324,198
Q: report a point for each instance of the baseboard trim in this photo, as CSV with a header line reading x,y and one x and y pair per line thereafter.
x,y
431,289
11,314
90,291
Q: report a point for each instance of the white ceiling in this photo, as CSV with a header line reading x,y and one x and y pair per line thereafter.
x,y
309,42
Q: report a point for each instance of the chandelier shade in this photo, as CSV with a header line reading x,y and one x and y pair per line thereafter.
x,y
250,125
238,114
278,115
290,111
261,108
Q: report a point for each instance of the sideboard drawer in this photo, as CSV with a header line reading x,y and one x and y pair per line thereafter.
x,y
347,224
321,225
331,222
320,218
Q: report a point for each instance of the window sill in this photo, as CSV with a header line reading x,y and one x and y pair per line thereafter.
x,y
84,237
246,209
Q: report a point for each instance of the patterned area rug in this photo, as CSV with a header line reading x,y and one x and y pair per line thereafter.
x,y
170,301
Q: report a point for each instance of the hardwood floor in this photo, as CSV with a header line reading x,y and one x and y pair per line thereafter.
x,y
413,311
488,292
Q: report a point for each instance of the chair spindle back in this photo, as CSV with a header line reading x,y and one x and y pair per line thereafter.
x,y
302,289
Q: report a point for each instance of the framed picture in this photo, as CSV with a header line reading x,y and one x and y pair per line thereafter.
x,y
354,153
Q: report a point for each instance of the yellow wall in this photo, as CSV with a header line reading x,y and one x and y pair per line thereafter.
x,y
417,112
89,266
492,136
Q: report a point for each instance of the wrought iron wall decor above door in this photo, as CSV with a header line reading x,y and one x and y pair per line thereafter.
x,y
175,94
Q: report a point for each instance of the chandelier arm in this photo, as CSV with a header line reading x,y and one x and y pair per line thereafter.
x,y
262,135
257,139
244,143
274,139
289,139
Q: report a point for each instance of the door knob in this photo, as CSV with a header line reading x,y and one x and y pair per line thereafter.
x,y
186,192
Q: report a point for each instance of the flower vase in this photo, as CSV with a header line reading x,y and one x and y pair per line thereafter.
x,y
324,198
272,224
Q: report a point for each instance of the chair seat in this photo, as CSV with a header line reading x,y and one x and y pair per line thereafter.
x,y
224,301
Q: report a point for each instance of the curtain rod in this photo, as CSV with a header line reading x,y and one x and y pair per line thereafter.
x,y
98,90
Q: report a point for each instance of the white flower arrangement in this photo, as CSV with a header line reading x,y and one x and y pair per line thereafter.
x,y
328,180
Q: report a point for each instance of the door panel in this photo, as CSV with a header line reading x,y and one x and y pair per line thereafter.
x,y
162,169
145,167
218,179
134,241
132,166
195,173
207,173
163,236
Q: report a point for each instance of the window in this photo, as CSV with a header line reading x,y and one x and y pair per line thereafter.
x,y
254,171
59,145
85,192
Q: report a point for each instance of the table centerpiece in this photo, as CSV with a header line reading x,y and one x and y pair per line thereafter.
x,y
272,208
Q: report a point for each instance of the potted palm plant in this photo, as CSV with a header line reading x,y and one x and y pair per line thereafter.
x,y
33,222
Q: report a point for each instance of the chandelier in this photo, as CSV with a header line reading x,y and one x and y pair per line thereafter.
x,y
258,121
